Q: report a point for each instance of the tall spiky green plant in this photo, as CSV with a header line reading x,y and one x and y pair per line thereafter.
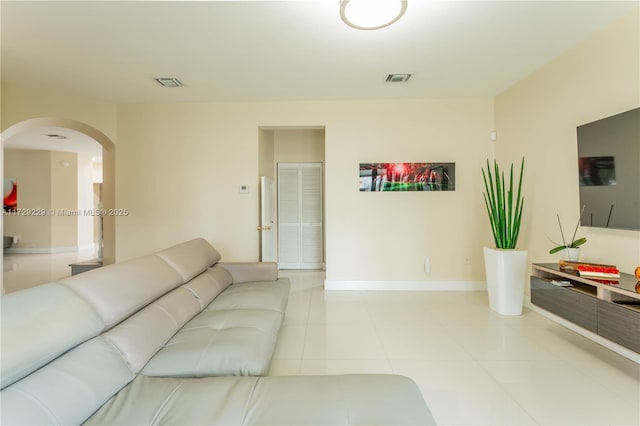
x,y
505,213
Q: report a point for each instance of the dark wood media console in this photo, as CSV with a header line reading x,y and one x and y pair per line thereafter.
x,y
610,310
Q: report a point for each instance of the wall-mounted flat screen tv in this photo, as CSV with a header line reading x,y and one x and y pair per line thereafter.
x,y
609,171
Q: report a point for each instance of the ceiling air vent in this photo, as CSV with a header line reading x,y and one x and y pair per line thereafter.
x,y
168,81
56,136
398,78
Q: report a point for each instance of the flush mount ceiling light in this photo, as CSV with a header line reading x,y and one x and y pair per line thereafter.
x,y
168,81
371,14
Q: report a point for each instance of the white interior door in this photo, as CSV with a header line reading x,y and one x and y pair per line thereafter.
x,y
300,215
267,225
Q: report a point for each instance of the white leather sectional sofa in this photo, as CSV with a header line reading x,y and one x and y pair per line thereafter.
x,y
176,337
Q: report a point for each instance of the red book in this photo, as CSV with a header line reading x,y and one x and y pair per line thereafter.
x,y
594,270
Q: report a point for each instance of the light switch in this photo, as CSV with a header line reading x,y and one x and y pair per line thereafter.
x,y
243,189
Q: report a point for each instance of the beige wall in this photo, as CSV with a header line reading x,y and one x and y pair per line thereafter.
x,y
266,151
24,107
385,236
299,146
46,181
21,102
85,200
32,169
538,117
64,197
97,204
179,167
288,145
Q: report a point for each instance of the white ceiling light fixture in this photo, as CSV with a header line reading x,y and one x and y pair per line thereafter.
x,y
371,14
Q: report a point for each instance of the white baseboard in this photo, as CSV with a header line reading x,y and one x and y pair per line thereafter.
x,y
50,250
298,267
620,350
38,250
405,285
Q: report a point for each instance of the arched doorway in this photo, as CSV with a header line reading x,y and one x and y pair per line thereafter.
x,y
108,158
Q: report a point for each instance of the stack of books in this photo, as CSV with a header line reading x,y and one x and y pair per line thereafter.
x,y
607,274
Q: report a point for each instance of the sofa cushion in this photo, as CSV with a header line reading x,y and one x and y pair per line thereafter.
x,y
235,335
209,284
140,336
68,389
353,399
190,258
272,295
243,272
158,400
39,324
220,343
301,400
117,291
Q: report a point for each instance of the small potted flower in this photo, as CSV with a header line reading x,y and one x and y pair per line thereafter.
x,y
571,250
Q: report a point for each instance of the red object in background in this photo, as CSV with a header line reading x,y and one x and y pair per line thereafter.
x,y
601,269
400,168
11,200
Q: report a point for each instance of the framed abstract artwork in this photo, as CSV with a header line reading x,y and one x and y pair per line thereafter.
x,y
384,177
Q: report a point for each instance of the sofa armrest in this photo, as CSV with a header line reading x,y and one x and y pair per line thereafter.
x,y
242,272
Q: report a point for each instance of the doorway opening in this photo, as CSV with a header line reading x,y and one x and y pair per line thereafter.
x,y
300,216
295,205
64,173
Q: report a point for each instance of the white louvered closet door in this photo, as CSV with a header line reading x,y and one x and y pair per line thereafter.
x,y
300,215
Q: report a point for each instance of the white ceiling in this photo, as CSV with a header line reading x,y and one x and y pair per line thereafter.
x,y
37,139
287,50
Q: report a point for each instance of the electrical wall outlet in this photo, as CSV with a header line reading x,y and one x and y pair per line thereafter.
x,y
427,264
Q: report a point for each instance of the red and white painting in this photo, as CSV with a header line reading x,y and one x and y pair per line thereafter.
x,y
10,194
383,177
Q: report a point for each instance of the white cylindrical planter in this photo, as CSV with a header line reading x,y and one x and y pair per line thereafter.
x,y
571,254
505,271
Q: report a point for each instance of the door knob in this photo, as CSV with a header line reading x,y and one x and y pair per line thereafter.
x,y
260,228
267,228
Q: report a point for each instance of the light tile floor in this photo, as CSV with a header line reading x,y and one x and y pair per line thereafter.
x,y
474,367
22,271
